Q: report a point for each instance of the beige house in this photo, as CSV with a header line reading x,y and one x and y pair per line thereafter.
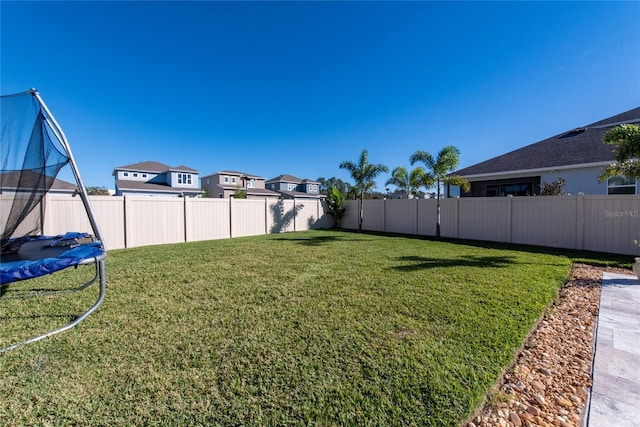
x,y
224,184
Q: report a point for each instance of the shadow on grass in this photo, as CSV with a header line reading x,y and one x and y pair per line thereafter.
x,y
575,255
317,240
420,263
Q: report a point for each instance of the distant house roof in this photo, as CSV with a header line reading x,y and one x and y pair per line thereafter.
x,y
580,146
25,180
285,178
300,194
292,179
310,181
236,173
123,184
183,168
153,167
260,192
248,175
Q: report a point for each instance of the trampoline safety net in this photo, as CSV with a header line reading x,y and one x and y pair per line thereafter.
x,y
33,153
31,160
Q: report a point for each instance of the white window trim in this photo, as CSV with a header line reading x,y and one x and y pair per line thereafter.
x,y
184,178
628,183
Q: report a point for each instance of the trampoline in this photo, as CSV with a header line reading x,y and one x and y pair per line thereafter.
x,y
34,150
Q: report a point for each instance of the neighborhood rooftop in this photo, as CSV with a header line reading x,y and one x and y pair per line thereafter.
x,y
580,146
290,178
153,167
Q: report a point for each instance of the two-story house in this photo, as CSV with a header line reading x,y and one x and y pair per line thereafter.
x,y
291,187
226,183
156,179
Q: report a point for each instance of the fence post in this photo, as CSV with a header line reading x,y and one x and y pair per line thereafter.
x,y
580,221
384,215
124,212
457,222
417,215
184,215
266,216
508,218
231,216
44,219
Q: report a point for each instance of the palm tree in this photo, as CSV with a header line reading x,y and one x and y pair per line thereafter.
x,y
364,175
335,204
409,182
627,152
439,171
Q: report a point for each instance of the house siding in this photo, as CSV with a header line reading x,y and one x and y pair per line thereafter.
x,y
578,180
174,182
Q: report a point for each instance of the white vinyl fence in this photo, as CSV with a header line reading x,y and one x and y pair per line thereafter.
x,y
596,223
129,221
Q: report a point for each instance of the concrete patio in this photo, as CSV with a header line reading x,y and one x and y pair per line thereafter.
x,y
615,394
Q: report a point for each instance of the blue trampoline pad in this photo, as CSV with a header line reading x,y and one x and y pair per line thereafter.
x,y
36,256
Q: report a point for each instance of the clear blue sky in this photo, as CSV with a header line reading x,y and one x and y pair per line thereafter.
x,y
297,87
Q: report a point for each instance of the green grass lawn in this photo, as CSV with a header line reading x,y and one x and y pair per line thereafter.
x,y
310,328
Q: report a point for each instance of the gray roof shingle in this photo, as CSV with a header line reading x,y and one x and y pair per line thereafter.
x,y
26,180
154,167
285,178
575,147
123,184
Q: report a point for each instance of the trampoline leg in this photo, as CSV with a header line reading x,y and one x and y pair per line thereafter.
x,y
103,291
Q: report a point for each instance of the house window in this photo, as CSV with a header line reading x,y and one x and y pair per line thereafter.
x,y
226,179
184,178
233,179
523,189
125,173
491,191
144,175
135,174
313,188
291,187
621,185
251,183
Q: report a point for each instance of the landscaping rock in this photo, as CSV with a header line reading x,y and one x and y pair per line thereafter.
x,y
515,419
549,381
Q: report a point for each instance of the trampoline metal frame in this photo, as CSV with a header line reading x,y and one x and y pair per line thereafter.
x,y
99,261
